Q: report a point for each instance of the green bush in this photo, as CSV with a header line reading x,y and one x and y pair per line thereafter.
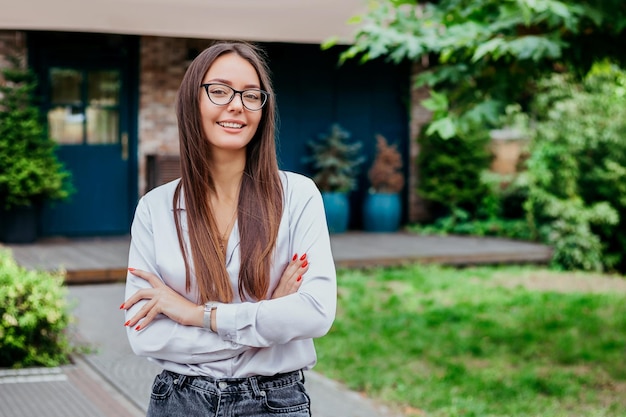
x,y
498,213
572,185
450,172
577,169
34,316
30,172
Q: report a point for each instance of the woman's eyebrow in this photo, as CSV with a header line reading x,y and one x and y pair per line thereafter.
x,y
227,82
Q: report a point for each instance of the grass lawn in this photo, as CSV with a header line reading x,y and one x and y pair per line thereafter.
x,y
433,341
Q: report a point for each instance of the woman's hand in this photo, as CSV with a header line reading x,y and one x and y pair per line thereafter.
x,y
161,300
291,279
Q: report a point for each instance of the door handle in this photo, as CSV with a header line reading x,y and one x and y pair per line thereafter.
x,y
125,146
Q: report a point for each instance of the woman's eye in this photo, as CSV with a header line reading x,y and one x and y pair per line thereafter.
x,y
250,95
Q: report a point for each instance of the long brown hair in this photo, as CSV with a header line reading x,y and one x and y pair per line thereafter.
x,y
260,198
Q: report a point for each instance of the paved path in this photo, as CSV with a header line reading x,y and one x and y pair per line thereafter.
x,y
75,390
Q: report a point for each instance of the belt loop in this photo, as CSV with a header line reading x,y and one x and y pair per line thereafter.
x,y
179,380
254,383
301,375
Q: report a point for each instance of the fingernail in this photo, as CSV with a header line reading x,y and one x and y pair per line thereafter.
x,y
138,327
304,264
303,257
299,278
131,269
122,306
294,257
127,323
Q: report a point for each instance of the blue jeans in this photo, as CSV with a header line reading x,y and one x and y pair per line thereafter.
x,y
175,395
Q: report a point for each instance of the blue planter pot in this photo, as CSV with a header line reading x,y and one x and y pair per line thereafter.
x,y
382,212
337,207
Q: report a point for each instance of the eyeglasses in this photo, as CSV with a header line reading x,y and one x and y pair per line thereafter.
x,y
252,99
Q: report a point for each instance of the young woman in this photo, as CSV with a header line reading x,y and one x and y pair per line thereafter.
x,y
220,292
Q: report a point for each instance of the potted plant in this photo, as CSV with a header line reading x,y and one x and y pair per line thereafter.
x,y
335,162
30,172
382,209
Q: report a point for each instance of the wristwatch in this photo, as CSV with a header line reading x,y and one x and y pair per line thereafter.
x,y
208,312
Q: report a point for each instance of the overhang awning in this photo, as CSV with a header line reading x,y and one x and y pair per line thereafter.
x,y
294,21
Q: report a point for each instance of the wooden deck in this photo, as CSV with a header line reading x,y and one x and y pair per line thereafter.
x,y
105,259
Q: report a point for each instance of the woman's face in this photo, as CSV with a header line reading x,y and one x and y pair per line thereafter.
x,y
230,126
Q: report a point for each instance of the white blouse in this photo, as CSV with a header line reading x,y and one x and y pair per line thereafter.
x,y
253,338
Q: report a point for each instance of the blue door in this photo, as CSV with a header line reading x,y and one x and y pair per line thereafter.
x,y
87,105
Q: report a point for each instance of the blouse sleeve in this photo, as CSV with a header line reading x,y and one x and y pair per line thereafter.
x,y
164,338
310,312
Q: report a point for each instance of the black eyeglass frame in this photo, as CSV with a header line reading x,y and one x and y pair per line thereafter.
x,y
264,94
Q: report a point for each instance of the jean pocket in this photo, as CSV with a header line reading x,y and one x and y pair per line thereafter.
x,y
162,386
288,399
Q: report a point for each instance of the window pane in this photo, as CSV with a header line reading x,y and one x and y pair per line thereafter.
x,y
65,125
102,125
66,117
103,90
66,85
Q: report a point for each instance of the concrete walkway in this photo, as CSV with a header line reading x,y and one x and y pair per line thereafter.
x,y
110,381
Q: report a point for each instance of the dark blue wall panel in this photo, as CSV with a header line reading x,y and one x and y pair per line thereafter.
x,y
313,92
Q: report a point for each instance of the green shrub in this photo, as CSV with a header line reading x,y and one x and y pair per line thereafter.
x,y
34,316
577,169
499,213
450,172
30,172
572,185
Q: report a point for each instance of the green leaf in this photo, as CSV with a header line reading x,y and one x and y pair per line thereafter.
x,y
445,128
355,20
437,102
535,48
488,47
329,43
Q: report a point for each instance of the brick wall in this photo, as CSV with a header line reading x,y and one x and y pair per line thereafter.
x,y
163,62
162,66
12,42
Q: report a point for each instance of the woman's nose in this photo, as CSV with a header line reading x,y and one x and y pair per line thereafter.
x,y
237,101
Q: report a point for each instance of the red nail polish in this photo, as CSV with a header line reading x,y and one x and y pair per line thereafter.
x,y
304,264
122,306
126,324
303,257
131,269
138,327
294,257
299,278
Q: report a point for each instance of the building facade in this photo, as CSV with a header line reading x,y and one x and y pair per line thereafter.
x,y
107,94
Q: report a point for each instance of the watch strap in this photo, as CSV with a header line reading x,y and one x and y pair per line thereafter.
x,y
208,312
